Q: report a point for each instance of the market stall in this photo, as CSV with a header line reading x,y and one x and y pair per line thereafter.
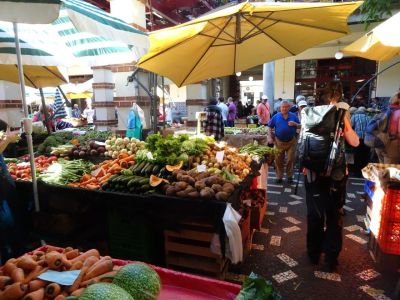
x,y
239,137
144,192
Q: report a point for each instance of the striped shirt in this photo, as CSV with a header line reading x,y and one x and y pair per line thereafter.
x,y
359,123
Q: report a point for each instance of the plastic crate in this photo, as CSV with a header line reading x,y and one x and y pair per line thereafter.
x,y
369,188
133,238
389,237
391,206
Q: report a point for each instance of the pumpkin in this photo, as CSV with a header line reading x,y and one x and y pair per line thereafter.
x,y
173,168
156,181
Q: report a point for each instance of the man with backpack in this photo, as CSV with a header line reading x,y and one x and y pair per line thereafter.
x,y
324,129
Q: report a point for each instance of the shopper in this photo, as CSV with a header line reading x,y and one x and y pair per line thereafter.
x,y
9,236
231,112
213,123
224,110
277,105
76,112
41,117
359,121
88,113
263,111
325,195
285,125
391,153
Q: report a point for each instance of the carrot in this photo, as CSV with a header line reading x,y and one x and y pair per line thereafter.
x,y
36,284
14,291
124,164
85,255
17,275
27,263
54,260
77,292
99,268
52,290
92,186
66,263
72,253
86,177
105,178
4,280
36,295
90,261
76,266
35,273
123,155
52,248
9,266
106,277
91,180
38,254
60,297
67,249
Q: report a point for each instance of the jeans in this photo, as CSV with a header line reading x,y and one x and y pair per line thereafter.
x,y
325,198
230,123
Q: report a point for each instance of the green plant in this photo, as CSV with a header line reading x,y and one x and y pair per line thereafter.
x,y
375,10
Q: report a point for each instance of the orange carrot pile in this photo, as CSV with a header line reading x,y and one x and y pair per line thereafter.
x,y
103,171
19,277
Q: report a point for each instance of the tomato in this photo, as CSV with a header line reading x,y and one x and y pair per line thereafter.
x,y
51,159
13,176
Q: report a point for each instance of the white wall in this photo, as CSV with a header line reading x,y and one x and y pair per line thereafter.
x,y
389,81
177,94
130,11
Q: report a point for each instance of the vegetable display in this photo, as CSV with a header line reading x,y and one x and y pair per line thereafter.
x,y
22,171
19,279
258,150
261,130
66,171
116,146
55,140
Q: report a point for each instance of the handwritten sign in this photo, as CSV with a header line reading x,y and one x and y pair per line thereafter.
x,y
219,156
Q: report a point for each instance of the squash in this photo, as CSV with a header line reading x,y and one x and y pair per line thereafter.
x,y
173,168
156,181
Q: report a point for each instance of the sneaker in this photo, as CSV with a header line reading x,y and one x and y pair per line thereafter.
x,y
290,180
278,181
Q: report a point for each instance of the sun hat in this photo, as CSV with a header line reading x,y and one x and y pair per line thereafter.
x,y
352,109
264,97
302,103
300,98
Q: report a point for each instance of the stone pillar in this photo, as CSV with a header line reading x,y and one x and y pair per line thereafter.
x,y
196,101
10,104
127,94
103,94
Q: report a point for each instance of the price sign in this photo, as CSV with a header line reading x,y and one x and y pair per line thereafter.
x,y
150,156
201,168
219,156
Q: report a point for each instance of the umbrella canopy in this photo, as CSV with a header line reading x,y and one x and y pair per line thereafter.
x,y
242,36
59,111
381,43
39,64
29,11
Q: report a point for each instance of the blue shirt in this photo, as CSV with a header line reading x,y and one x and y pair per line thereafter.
x,y
359,122
283,131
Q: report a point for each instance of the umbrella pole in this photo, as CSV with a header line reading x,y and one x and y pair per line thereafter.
x,y
27,121
163,96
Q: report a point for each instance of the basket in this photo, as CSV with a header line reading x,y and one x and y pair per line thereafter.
x,y
389,238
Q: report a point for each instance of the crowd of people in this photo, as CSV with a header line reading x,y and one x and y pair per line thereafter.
x,y
324,136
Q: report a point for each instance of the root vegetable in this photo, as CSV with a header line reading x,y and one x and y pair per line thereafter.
x,y
52,290
35,295
14,291
17,275
36,284
27,263
4,280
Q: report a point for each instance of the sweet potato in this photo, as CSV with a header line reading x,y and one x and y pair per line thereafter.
x,y
99,268
9,266
54,260
77,292
106,277
4,280
72,254
36,295
76,266
90,261
17,275
27,263
14,291
52,290
36,284
83,256
60,297
34,273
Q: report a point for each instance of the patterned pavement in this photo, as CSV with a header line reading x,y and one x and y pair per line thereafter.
x,y
279,250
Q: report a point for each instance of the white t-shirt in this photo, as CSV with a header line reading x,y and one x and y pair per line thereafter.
x,y
224,110
88,113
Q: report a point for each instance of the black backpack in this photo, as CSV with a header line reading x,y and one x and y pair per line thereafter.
x,y
318,127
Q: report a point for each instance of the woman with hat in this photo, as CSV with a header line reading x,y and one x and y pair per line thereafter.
x,y
263,111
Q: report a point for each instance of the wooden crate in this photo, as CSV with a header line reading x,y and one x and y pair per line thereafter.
x,y
189,250
257,215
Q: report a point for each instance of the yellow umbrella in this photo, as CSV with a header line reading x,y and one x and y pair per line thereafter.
x,y
242,36
82,95
381,43
35,76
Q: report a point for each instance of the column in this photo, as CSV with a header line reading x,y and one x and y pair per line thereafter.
x,y
10,104
127,94
196,101
103,94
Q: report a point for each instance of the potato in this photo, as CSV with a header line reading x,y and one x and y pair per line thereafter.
x,y
222,196
207,193
182,193
187,178
170,191
181,185
194,194
199,185
216,187
228,188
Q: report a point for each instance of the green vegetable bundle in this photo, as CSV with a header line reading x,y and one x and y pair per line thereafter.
x,y
66,171
54,140
258,150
